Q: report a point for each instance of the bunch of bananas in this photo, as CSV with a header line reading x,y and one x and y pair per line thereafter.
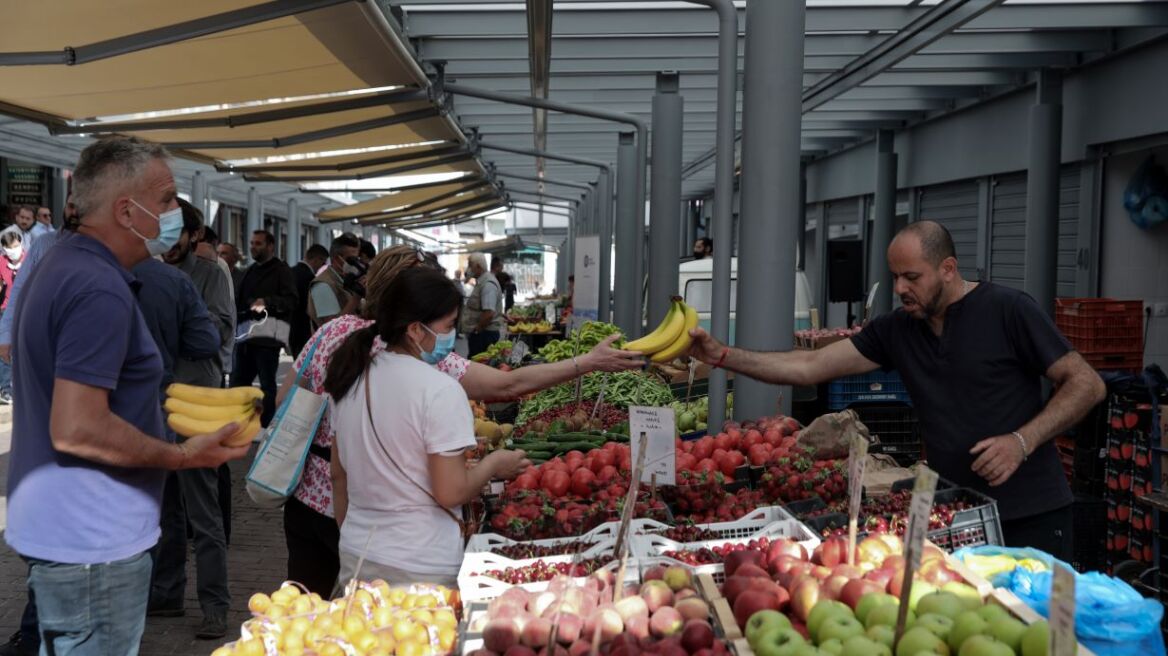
x,y
671,339
202,410
532,327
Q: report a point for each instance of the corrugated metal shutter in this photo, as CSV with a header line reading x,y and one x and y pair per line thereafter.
x,y
845,213
1008,229
954,205
1068,245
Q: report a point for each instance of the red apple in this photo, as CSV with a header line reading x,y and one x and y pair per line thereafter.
x,y
785,547
753,571
819,572
832,587
736,585
872,550
787,568
855,589
697,634
937,573
752,601
804,596
880,576
736,559
829,553
849,571
894,561
656,572
930,553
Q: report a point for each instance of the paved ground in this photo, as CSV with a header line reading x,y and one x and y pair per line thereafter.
x,y
257,559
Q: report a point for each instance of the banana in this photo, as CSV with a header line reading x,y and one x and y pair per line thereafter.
x,y
190,427
679,346
202,412
234,396
665,334
246,433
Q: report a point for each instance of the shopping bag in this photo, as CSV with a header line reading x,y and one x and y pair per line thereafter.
x,y
267,327
276,470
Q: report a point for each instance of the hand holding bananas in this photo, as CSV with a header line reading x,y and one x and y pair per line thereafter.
x,y
205,410
671,339
603,357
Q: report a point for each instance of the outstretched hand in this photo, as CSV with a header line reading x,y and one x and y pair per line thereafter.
x,y
704,347
603,357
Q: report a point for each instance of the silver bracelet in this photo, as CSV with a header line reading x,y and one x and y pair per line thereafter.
x,y
1022,443
576,364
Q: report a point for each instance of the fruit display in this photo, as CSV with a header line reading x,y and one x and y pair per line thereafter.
x,y
889,513
542,570
579,341
542,447
691,416
533,312
371,618
195,411
528,327
671,339
491,434
663,615
572,417
496,352
820,337
621,390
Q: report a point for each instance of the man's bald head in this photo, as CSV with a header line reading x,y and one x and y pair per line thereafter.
x,y
936,242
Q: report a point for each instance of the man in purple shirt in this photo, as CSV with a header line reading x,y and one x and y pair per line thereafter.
x,y
89,451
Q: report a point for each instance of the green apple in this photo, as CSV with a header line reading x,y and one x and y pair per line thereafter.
x,y
778,642
966,625
941,603
965,592
938,625
884,635
839,627
886,615
1036,639
764,620
983,645
833,647
806,649
822,610
865,646
919,640
1009,631
920,589
870,601
991,612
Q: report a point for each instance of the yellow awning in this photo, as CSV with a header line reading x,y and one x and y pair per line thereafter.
x,y
395,201
430,219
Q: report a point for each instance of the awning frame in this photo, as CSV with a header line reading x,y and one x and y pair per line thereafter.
x,y
461,155
312,135
375,161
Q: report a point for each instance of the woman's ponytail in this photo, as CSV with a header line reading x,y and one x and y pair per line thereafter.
x,y
349,361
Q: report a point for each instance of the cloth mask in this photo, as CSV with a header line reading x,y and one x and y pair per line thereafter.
x,y
443,345
14,253
170,226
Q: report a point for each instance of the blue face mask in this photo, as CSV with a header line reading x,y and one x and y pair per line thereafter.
x,y
443,345
170,226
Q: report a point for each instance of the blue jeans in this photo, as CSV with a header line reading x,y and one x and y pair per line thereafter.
x,y
91,609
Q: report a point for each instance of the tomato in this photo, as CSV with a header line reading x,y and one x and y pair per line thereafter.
x,y
759,454
722,442
708,466
735,434
573,455
607,474
556,482
703,448
582,480
726,466
526,481
601,460
737,458
773,438
719,454
686,462
587,463
752,438
787,442
752,434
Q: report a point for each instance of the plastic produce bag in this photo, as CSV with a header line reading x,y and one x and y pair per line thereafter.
x,y
1110,616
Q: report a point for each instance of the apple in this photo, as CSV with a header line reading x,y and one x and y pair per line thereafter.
x,y
807,649
500,634
880,576
864,646
1036,639
736,559
869,602
895,544
631,607
519,650
607,620
539,603
657,594
697,634
919,640
537,633
752,601
785,547
833,647
965,592
929,553
872,550
678,578
637,626
750,570
684,593
626,644
938,625
778,642
654,573
894,561
833,586
992,612
856,589
941,603
881,634
1009,631
850,571
693,608
830,552
824,609
984,645
896,582
665,622
569,628
886,615
919,590
736,585
937,573
797,569
804,596
965,625
819,572
839,627
763,621
579,648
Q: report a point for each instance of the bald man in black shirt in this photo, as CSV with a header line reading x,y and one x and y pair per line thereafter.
x,y
972,356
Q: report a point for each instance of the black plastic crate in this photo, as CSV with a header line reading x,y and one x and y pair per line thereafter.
x,y
1090,533
894,425
863,388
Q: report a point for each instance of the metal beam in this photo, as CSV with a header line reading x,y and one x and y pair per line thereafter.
x,y
629,238
540,194
665,196
1042,191
884,223
533,178
423,185
310,136
373,161
438,161
420,208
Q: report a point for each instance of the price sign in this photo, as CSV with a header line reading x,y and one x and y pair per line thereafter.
x,y
519,350
857,460
1062,613
659,426
914,539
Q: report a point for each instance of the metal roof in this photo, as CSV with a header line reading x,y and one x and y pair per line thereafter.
x,y
607,55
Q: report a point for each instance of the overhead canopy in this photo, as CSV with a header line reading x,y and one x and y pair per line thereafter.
x,y
473,199
394,202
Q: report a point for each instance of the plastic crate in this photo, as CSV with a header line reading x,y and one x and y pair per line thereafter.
x,y
1090,533
894,425
865,388
653,547
1133,361
1101,325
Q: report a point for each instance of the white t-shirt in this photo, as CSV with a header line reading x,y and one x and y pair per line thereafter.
x,y
418,410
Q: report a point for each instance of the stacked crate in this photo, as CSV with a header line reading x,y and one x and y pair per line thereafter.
x,y
1128,476
1108,333
882,402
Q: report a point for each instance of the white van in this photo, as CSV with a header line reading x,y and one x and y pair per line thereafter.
x,y
696,281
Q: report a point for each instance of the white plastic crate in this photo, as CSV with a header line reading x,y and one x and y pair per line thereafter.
x,y
655,546
487,542
473,585
748,526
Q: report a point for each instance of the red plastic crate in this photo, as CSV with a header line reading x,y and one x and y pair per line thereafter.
x,y
1133,361
1101,325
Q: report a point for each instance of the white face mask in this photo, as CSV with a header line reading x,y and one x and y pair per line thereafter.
x,y
14,253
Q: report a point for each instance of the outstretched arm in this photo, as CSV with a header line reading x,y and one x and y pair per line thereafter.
x,y
783,367
489,384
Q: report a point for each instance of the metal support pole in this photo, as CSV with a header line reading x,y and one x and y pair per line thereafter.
x,y
1042,191
255,213
629,231
769,220
666,196
293,249
884,221
723,229
604,300
60,197
688,232
199,194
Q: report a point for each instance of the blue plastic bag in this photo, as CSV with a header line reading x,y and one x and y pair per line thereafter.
x,y
1110,616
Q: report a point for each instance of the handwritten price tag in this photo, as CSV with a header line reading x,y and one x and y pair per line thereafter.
x,y
659,426
857,461
1062,613
518,351
918,516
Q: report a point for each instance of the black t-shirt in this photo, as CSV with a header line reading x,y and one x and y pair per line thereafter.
x,y
980,378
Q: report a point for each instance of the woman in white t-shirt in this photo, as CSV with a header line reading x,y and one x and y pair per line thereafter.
x,y
402,455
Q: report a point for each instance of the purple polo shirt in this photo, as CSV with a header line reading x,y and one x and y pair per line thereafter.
x,y
78,320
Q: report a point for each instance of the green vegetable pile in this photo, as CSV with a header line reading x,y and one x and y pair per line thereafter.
x,y
579,341
499,349
624,388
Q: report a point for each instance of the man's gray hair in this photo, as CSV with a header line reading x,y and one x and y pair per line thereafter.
x,y
477,258
107,165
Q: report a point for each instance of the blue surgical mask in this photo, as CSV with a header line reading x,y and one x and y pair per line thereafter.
x,y
170,226
443,345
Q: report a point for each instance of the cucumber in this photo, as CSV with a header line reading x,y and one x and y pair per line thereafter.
x,y
564,447
571,437
534,446
617,437
539,455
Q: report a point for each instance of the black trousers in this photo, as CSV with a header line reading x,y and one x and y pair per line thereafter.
x,y
478,342
253,360
1051,531
312,540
